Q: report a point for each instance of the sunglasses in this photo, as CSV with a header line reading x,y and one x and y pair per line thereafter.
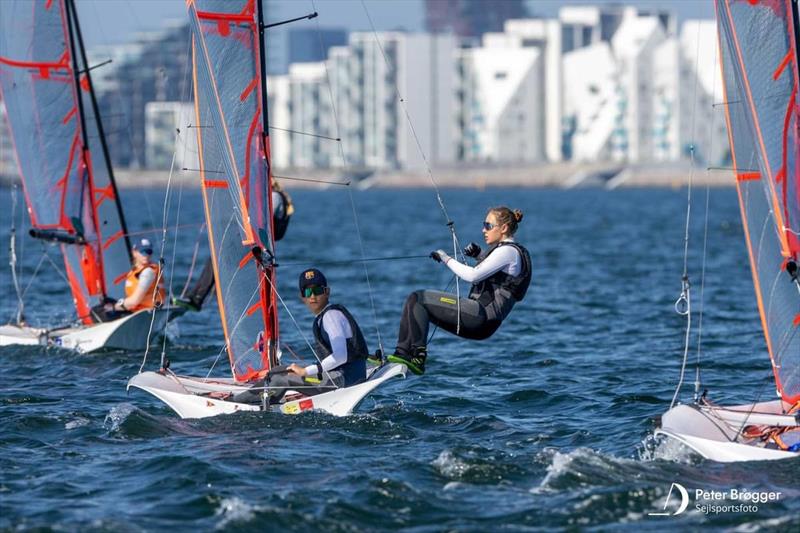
x,y
308,291
488,226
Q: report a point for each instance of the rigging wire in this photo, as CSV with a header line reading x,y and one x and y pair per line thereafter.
x,y
450,224
683,305
12,260
697,381
164,228
349,189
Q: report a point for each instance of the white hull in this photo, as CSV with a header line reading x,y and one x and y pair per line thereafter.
x,y
189,397
715,432
127,333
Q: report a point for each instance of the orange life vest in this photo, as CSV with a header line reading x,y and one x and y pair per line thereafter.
x,y
155,294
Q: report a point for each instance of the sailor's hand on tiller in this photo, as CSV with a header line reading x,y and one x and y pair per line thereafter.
x,y
297,369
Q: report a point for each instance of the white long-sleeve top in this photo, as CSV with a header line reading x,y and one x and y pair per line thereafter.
x,y
335,324
505,258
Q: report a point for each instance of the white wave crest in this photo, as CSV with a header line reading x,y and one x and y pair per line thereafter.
x,y
654,448
77,423
234,510
449,465
118,415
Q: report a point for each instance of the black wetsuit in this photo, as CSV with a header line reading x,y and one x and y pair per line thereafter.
x,y
489,303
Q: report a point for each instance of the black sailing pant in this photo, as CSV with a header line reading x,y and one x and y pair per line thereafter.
x,y
440,308
199,291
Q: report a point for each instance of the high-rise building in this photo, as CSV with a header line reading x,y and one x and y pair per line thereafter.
x,y
168,138
471,18
8,162
355,96
155,69
307,45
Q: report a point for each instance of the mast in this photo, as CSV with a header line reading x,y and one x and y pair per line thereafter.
x,y
76,75
96,110
263,68
269,268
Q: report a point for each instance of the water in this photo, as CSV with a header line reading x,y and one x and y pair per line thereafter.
x,y
543,426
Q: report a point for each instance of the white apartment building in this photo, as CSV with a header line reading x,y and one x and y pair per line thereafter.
x,y
591,102
501,104
420,70
634,45
355,96
168,132
279,121
8,161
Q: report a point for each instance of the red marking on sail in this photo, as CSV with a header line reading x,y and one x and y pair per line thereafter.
x,y
69,115
77,295
48,4
782,66
104,193
112,239
215,184
253,308
248,256
796,321
748,176
85,83
224,27
249,89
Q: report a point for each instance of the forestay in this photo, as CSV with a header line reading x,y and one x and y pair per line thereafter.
x,y
65,172
760,72
234,169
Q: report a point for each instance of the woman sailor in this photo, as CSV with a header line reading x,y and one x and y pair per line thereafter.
x,y
499,280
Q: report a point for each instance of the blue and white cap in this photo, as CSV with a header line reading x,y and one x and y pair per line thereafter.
x,y
144,246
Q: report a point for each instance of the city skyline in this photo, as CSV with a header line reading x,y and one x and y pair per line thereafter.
x,y
111,22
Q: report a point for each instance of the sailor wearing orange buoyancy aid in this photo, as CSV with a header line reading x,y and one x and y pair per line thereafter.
x,y
143,286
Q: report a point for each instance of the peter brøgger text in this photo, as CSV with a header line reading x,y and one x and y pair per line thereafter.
x,y
732,501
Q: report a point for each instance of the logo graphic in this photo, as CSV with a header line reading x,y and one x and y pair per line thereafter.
x,y
310,274
681,508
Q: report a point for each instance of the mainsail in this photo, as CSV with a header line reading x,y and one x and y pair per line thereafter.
x,y
234,171
57,134
758,44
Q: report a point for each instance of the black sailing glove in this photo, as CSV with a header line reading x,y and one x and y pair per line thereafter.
x,y
472,250
440,256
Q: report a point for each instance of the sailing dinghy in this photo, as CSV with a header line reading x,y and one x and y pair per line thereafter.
x,y
66,173
758,47
229,73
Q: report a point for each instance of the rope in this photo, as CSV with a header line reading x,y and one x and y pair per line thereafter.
x,y
351,261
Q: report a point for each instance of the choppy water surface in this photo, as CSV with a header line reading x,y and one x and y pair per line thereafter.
x,y
540,427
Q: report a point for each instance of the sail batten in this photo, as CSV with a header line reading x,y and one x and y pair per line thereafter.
x,y
234,175
760,74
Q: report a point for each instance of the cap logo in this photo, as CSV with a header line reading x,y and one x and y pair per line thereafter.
x,y
310,274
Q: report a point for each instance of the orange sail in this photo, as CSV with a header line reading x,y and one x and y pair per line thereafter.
x,y
234,169
760,71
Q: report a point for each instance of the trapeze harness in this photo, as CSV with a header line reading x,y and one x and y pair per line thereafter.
x,y
154,295
355,369
498,293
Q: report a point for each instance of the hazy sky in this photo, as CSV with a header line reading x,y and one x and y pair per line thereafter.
x,y
118,21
